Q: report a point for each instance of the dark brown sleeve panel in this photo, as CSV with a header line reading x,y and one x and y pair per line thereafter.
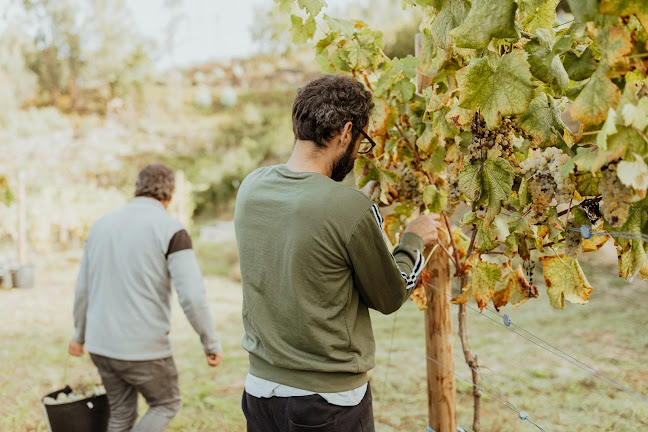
x,y
179,241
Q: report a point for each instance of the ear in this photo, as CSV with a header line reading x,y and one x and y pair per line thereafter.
x,y
345,134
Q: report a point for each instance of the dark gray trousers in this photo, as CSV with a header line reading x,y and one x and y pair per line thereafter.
x,y
306,414
156,380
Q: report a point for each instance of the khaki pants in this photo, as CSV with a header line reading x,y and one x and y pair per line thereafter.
x,y
156,380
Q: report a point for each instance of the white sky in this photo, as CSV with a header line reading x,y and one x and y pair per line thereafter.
x,y
208,29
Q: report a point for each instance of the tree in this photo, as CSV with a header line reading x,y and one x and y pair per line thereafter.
x,y
487,134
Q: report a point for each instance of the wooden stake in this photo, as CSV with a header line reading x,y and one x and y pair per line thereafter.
x,y
180,197
442,392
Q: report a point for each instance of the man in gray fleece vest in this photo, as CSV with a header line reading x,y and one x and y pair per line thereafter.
x,y
122,303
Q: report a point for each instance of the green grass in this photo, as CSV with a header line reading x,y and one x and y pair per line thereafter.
x,y
609,334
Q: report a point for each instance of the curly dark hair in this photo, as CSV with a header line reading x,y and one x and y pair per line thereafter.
x,y
155,181
326,104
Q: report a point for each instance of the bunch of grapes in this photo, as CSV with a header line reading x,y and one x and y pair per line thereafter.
x,y
573,244
411,186
500,140
546,182
452,179
616,197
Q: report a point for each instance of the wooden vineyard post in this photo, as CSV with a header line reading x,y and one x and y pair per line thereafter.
x,y
180,196
441,389
22,220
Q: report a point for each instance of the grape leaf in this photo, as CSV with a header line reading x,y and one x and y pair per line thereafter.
x,y
496,86
565,281
595,243
434,198
428,141
587,184
313,7
486,20
584,10
543,120
393,227
515,289
379,118
624,7
598,96
580,67
636,115
625,142
485,277
632,259
538,14
340,25
443,128
634,174
403,89
452,15
284,5
545,65
470,181
615,45
435,164
419,295
497,184
302,31
485,240
609,128
366,170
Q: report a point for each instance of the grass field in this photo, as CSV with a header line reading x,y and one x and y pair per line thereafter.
x,y
611,334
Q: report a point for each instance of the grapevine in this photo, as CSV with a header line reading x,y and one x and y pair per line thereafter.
x,y
616,198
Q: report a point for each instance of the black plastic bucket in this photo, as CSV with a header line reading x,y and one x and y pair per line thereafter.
x,y
85,415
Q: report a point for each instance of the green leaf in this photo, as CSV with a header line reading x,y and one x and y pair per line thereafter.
x,y
543,120
580,68
584,10
434,198
599,95
470,181
587,184
452,15
497,185
496,86
636,115
360,56
302,31
609,128
545,65
523,193
340,25
485,276
428,141
403,89
538,14
486,20
441,125
284,5
366,170
435,164
485,240
565,281
313,7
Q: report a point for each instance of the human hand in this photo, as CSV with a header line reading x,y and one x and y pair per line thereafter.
x,y
75,348
214,360
427,227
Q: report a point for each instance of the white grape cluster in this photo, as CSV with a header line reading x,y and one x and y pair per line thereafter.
x,y
65,398
616,197
573,244
547,185
500,141
452,180
411,186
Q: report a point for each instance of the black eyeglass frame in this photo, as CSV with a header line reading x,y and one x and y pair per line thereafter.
x,y
372,142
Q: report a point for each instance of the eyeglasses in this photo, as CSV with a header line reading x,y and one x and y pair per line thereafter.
x,y
367,144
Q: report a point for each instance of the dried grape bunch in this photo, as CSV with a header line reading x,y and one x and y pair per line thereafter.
x,y
500,141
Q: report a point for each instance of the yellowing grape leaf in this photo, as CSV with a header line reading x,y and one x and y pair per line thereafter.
x,y
434,198
393,226
565,281
379,118
497,185
624,7
419,295
634,174
636,115
487,19
301,30
599,95
632,259
435,164
485,240
515,289
496,86
313,7
609,128
485,277
366,170
615,45
543,120
470,181
595,243
452,15
538,14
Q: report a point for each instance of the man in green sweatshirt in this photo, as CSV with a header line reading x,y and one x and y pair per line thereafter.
x,y
313,261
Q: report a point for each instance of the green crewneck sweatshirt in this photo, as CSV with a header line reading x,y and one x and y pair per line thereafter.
x,y
313,261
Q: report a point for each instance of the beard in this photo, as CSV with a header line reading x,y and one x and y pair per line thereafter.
x,y
344,164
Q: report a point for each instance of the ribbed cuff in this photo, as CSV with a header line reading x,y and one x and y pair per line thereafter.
x,y
411,240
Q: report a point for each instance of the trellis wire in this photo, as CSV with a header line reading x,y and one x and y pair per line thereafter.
x,y
563,355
